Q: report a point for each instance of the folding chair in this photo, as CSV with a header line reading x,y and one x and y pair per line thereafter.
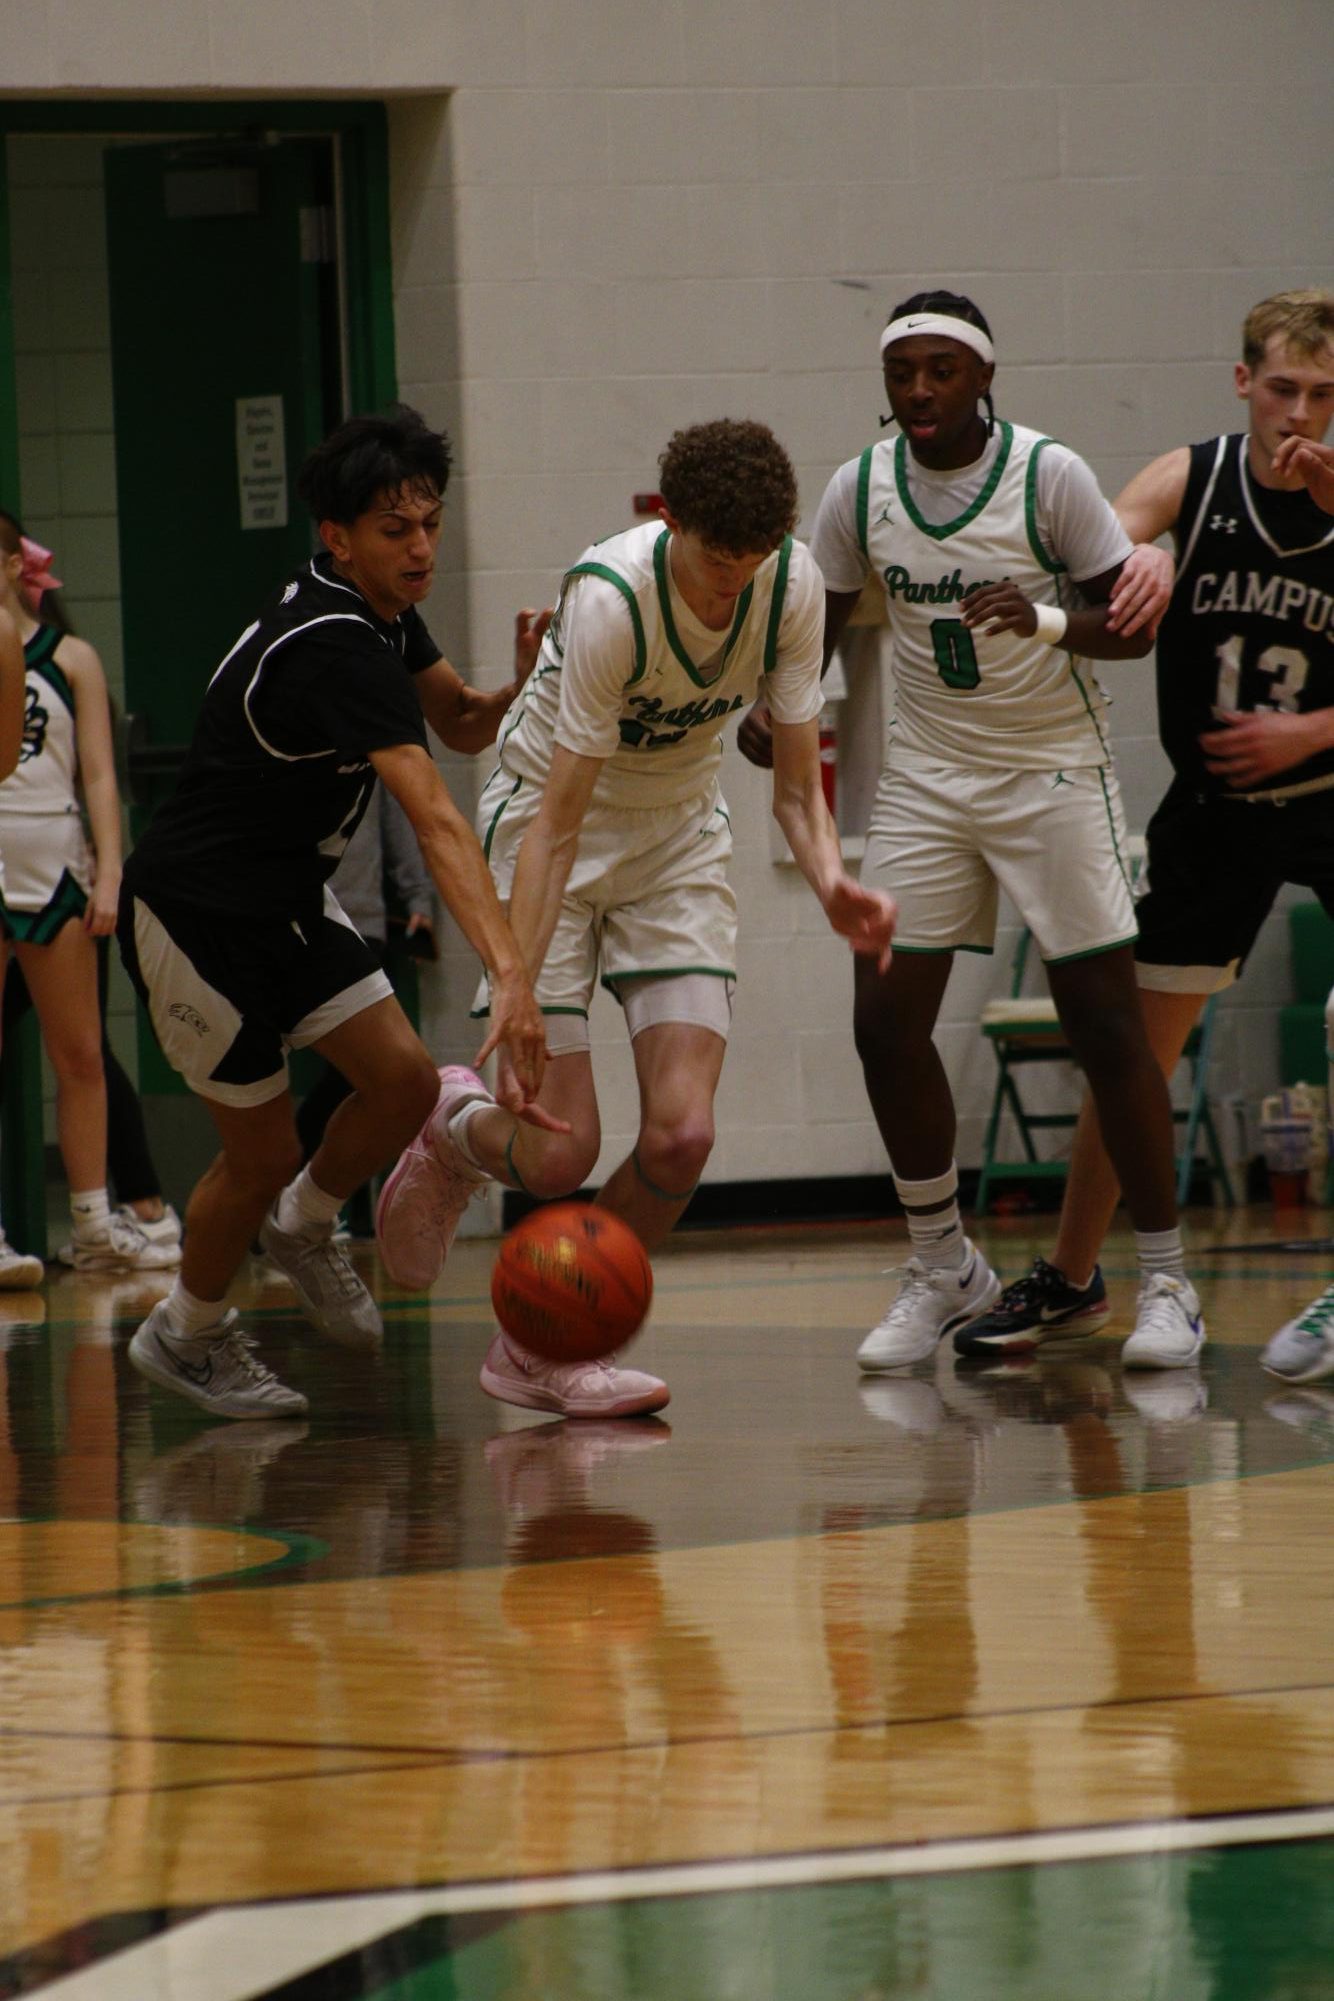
x,y
1024,1029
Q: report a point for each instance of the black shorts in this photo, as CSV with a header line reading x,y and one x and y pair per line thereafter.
x,y
1215,867
228,996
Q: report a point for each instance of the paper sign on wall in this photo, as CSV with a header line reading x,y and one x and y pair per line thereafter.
x,y
261,460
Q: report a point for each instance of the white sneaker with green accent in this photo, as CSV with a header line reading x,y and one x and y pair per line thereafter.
x,y
1169,1327
217,1369
1303,1350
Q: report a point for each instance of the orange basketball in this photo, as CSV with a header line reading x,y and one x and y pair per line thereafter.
x,y
571,1282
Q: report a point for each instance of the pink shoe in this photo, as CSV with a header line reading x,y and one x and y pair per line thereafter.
x,y
574,1389
423,1199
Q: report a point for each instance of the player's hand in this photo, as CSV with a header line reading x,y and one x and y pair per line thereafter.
x,y
1247,748
755,738
516,1022
993,608
101,909
1143,591
529,630
865,917
1302,462
510,1095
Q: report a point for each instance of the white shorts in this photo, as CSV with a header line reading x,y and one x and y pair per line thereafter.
x,y
946,838
647,895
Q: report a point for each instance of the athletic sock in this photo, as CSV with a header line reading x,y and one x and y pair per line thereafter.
x,y
1160,1251
90,1213
937,1239
458,1131
304,1210
189,1316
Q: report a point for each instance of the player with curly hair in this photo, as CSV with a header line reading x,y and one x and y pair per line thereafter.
x,y
609,842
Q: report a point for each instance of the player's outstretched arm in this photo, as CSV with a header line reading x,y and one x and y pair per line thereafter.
x,y
865,917
453,854
1311,465
465,718
11,694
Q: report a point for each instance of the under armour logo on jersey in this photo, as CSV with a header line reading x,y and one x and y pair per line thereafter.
x,y
290,593
1224,523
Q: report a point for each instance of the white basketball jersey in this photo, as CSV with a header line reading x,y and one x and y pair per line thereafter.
x,y
672,707
965,696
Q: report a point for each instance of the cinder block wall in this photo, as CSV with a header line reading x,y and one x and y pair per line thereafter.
x,y
610,220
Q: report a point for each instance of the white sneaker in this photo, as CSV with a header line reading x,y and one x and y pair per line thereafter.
x,y
121,1246
1303,1350
18,1271
163,1231
218,1369
429,1189
332,1297
931,1303
574,1389
1169,1327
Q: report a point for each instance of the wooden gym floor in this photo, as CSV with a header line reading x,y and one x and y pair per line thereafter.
x,y
1007,1683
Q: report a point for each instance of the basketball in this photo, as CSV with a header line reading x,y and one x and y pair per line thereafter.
x,y
571,1282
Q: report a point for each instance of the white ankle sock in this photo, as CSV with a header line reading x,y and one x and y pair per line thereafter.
x,y
90,1212
189,1316
304,1210
1160,1250
458,1131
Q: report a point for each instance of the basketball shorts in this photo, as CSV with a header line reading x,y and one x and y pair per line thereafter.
x,y
647,896
228,996
945,839
48,873
1215,867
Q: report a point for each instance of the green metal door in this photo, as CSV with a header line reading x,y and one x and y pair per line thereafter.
x,y
226,369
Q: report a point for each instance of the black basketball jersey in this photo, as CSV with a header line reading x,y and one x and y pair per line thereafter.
x,y
1251,622
278,773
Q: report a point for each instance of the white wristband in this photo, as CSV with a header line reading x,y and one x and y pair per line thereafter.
x,y
1052,622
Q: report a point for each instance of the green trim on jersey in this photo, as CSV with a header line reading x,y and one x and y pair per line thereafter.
x,y
1121,862
776,606
864,499
1096,952
669,623
495,818
1050,563
610,576
610,981
939,951
971,512
39,657
484,1013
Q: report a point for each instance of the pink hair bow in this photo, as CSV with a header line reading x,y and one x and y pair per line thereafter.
x,y
35,577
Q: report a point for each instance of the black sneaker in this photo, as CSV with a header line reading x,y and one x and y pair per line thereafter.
x,y
1033,1309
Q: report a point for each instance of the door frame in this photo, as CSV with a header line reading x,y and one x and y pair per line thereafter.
x,y
360,130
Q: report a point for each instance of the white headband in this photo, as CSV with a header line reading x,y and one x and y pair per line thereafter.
x,y
939,323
